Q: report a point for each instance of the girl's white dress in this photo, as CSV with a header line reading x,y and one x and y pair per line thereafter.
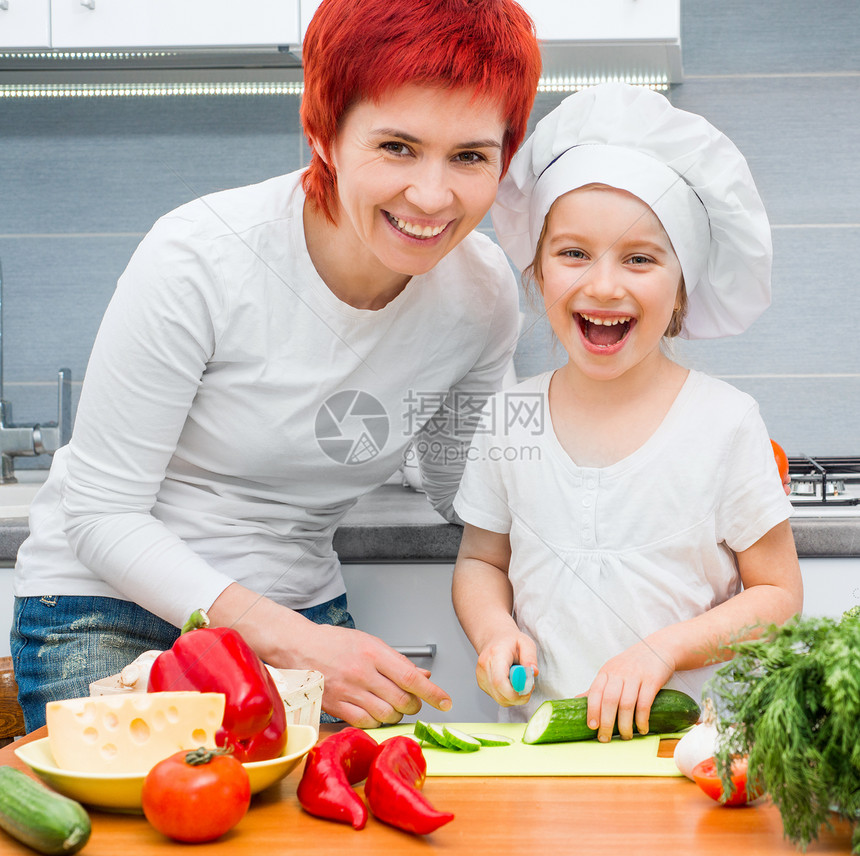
x,y
602,557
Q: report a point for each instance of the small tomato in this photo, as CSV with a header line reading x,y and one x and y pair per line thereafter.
x,y
781,461
196,796
706,776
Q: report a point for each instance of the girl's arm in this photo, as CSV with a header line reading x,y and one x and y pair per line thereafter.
x,y
772,593
484,599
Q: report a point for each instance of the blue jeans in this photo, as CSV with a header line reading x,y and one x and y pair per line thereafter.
x,y
60,644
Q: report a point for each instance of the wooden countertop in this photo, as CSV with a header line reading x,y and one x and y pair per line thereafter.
x,y
496,816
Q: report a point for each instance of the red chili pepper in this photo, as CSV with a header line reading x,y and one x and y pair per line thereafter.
x,y
393,788
217,659
332,768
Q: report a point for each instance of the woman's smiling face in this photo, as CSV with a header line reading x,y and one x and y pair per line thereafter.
x,y
610,280
416,172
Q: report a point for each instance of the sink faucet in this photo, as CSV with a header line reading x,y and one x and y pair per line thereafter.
x,y
29,440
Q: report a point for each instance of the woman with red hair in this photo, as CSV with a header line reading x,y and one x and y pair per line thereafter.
x,y
269,355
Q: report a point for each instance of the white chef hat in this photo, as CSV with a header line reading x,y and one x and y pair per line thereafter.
x,y
691,175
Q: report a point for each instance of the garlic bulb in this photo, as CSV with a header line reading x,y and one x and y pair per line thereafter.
x,y
135,676
699,743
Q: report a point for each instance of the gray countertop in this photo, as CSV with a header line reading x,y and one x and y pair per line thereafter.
x,y
397,524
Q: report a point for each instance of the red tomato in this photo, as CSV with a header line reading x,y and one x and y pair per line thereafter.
x,y
708,779
781,459
196,801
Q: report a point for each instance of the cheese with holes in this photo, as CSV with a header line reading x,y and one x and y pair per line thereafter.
x,y
130,733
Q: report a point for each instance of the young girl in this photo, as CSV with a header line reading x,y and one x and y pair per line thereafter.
x,y
624,514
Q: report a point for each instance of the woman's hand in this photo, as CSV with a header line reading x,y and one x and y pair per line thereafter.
x,y
494,665
366,681
624,689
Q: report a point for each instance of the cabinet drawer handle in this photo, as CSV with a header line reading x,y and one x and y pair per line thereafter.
x,y
90,4
4,5
417,650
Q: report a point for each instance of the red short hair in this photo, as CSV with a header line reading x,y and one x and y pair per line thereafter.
x,y
357,50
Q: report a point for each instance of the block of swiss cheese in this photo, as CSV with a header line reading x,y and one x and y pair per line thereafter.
x,y
130,733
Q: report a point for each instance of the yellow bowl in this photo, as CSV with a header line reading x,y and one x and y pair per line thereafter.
x,y
121,793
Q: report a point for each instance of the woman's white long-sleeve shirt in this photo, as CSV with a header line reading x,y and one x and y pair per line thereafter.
x,y
234,409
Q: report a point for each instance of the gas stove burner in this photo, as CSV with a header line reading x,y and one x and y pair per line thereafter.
x,y
824,482
806,487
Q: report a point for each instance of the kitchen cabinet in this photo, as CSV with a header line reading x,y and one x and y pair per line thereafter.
x,y
307,12
408,605
7,603
830,586
607,20
25,23
172,23
609,39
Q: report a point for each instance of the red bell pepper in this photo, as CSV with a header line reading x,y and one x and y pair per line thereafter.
x,y
332,768
393,788
218,660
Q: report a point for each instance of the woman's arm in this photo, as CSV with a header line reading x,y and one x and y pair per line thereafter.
x,y
483,599
152,351
772,593
145,370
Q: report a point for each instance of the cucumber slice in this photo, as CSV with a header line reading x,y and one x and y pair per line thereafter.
x,y
437,732
429,733
459,740
493,739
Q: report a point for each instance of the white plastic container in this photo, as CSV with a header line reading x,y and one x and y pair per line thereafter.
x,y
301,689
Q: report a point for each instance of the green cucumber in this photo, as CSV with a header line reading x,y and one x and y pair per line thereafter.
x,y
42,819
459,740
493,739
564,720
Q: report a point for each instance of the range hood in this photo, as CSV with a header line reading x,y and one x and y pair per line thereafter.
x,y
131,48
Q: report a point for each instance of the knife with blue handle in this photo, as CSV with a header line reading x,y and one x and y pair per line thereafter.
x,y
522,679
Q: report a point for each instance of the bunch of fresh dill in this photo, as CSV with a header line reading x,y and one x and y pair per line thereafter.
x,y
790,700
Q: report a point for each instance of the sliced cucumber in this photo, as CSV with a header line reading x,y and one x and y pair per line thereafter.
x,y
429,733
493,739
437,733
459,740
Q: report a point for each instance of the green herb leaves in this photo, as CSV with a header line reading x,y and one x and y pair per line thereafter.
x,y
790,700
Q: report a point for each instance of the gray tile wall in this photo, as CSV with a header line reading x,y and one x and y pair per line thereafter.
x,y
81,180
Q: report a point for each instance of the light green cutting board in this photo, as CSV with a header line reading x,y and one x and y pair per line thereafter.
x,y
636,757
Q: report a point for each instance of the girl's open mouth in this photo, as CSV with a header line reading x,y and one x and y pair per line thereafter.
x,y
605,333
